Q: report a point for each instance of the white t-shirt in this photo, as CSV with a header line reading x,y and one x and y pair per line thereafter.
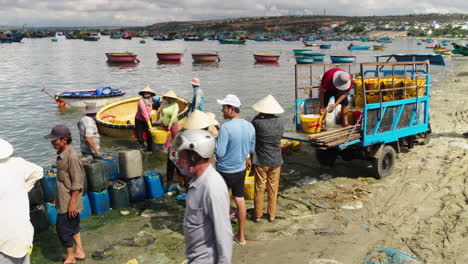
x,y
17,177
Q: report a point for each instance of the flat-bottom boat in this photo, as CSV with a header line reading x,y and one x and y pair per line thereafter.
x,y
205,57
266,57
342,58
122,57
101,97
169,56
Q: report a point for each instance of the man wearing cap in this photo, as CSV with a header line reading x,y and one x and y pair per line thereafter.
x,y
143,118
18,177
267,158
198,97
89,136
335,83
70,181
236,140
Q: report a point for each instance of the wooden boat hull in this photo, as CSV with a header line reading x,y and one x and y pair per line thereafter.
x,y
205,57
169,56
80,101
121,57
117,119
359,48
266,57
343,59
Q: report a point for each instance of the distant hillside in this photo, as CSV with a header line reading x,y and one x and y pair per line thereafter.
x,y
292,23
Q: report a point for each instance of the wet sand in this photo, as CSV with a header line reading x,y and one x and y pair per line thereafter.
x,y
422,208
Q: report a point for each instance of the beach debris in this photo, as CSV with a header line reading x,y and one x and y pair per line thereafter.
x,y
322,232
324,261
458,144
152,212
325,176
342,194
353,206
392,256
307,181
366,179
124,212
132,261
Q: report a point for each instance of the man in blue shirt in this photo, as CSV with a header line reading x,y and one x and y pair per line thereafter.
x,y
236,140
198,96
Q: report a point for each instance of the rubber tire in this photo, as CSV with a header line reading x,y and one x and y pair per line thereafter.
x,y
326,157
383,165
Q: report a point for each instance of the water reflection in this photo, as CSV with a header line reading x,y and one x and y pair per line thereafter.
x,y
122,64
212,64
267,64
169,62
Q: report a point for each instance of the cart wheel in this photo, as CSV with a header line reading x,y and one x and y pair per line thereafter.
x,y
426,138
383,165
326,157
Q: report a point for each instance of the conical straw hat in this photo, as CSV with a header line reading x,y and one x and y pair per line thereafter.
x,y
268,105
147,89
197,120
213,120
170,94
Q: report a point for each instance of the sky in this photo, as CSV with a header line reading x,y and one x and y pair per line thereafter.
x,y
146,12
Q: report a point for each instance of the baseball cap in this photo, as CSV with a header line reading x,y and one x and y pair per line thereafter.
x,y
59,131
230,99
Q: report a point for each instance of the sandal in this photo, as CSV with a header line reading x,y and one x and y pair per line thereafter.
x,y
238,242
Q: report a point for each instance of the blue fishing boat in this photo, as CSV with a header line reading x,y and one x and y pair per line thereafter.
x,y
91,38
291,39
304,60
434,59
194,38
419,43
383,41
325,46
342,58
359,47
315,56
232,41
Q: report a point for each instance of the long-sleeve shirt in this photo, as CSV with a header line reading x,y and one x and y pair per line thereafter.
x,y
18,177
197,100
144,110
207,228
169,113
268,132
236,140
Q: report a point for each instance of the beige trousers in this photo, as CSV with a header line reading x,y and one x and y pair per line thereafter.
x,y
266,177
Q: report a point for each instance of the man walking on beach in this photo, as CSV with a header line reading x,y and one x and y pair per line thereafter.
x,y
236,140
89,136
17,177
335,83
267,158
70,179
198,96
207,228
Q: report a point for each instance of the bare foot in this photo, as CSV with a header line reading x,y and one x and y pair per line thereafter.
x,y
69,260
79,254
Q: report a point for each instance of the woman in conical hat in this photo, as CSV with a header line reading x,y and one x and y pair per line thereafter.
x,y
170,111
143,118
267,158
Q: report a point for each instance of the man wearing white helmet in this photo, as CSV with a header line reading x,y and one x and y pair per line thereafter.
x,y
207,228
335,83
18,177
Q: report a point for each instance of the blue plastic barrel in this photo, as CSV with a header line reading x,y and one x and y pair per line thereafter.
x,y
52,213
137,189
100,202
86,212
103,91
49,185
112,166
153,181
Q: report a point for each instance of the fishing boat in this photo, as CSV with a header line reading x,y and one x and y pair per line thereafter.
x,y
316,56
205,57
91,38
291,39
101,96
444,52
304,60
164,38
378,47
325,46
118,118
434,59
260,57
169,56
439,49
358,47
298,52
459,49
419,43
122,57
232,41
342,58
194,38
309,44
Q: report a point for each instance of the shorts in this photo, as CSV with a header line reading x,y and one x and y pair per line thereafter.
x,y
235,181
5,259
336,94
66,228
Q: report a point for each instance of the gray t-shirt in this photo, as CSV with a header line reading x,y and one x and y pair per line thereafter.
x,y
207,228
268,132
88,128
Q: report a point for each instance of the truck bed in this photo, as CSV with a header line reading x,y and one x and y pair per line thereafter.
x,y
335,136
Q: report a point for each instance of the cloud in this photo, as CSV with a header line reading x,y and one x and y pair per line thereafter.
x,y
144,12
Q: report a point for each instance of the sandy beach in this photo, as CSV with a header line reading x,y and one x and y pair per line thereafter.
x,y
336,215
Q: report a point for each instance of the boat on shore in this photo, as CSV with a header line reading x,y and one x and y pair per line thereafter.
x,y
232,41
299,52
309,44
101,97
122,57
459,49
118,118
304,60
316,56
378,47
261,57
205,57
325,46
342,58
434,59
169,56
358,47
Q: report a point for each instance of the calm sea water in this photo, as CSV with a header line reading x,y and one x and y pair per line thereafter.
x,y
27,114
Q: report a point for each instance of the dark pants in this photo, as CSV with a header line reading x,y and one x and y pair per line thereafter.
x,y
235,181
140,127
66,228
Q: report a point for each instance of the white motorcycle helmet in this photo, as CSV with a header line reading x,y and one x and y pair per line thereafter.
x,y
197,140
